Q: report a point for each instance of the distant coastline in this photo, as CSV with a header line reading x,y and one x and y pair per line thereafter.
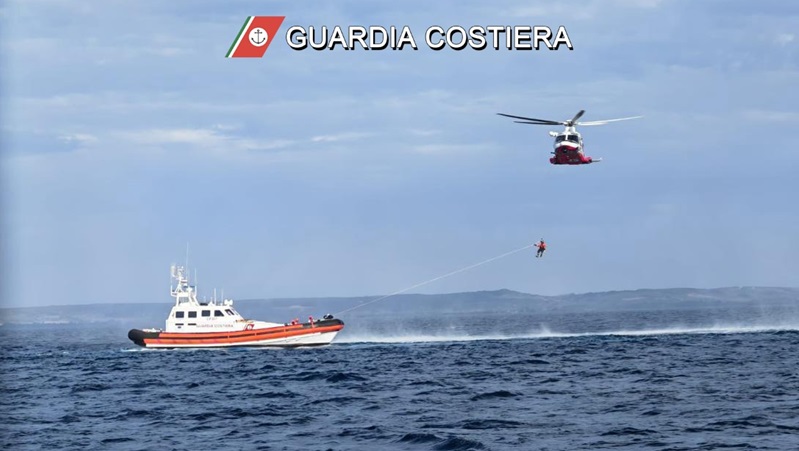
x,y
503,300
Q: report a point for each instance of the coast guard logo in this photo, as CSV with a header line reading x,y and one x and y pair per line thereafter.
x,y
255,36
259,37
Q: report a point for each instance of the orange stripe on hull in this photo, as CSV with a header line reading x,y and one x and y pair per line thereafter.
x,y
238,337
226,334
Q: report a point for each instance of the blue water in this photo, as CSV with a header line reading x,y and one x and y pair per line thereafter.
x,y
660,381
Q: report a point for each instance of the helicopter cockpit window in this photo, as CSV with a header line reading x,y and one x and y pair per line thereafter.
x,y
560,138
572,138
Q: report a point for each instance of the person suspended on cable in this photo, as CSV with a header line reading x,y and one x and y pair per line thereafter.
x,y
542,247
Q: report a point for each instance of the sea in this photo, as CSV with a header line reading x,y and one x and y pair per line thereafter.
x,y
659,380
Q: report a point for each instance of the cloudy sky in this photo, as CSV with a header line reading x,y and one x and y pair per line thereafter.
x,y
126,134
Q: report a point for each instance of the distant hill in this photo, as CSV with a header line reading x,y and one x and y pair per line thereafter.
x,y
507,301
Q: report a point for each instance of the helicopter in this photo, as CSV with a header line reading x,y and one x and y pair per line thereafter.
x,y
568,143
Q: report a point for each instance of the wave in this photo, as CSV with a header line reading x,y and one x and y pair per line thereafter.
x,y
544,333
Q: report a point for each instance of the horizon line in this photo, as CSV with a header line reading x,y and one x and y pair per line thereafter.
x,y
740,287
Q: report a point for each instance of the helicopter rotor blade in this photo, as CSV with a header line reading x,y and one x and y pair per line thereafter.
x,y
577,116
533,120
533,123
607,121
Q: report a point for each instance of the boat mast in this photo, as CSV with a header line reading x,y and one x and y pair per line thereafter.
x,y
183,292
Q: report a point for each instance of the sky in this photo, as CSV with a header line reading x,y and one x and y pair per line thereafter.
x,y
126,135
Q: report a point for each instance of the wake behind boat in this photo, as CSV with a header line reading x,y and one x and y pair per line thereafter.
x,y
195,324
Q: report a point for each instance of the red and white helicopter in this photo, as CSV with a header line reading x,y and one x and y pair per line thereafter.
x,y
568,143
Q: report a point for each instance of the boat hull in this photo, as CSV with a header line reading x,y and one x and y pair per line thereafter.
x,y
319,333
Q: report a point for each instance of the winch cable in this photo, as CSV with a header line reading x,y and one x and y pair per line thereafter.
x,y
438,278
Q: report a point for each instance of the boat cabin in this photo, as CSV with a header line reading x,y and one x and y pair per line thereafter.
x,y
190,315
203,317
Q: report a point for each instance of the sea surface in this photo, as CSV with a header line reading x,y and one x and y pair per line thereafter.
x,y
667,380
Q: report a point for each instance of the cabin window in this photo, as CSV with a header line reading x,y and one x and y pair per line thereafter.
x,y
572,138
192,314
218,313
206,313
229,312
560,138
178,314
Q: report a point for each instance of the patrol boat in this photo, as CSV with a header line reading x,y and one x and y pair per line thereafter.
x,y
195,324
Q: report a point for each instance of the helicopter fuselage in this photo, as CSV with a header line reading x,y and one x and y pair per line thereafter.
x,y
568,148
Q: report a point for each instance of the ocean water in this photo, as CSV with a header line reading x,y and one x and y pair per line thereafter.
x,y
645,380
